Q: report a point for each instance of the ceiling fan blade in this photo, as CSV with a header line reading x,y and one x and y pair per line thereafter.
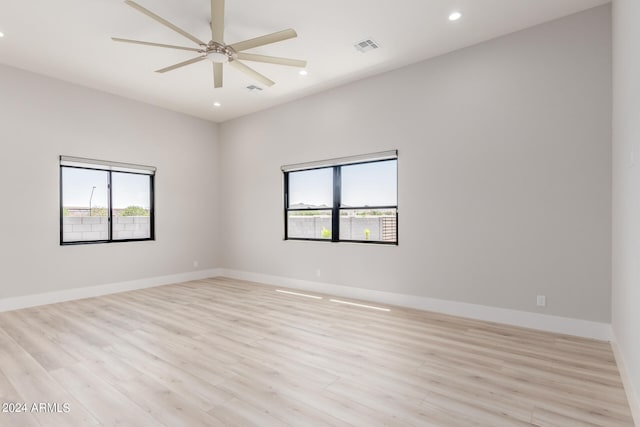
x,y
251,72
181,64
272,59
263,40
217,21
164,22
217,75
170,46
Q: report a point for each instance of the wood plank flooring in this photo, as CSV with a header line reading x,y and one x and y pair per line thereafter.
x,y
222,352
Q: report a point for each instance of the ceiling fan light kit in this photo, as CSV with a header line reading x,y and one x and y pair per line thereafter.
x,y
219,53
216,50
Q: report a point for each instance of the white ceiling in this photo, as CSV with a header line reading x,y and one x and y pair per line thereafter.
x,y
70,40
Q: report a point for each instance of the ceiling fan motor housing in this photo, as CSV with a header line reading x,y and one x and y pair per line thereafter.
x,y
217,52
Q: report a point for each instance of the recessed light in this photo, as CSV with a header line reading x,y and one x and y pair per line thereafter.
x,y
303,72
1,34
217,104
455,16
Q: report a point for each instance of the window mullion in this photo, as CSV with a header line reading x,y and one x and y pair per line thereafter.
x,y
286,205
335,211
61,206
152,208
109,209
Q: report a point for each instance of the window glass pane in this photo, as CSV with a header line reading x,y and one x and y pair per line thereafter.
x,y
131,199
311,189
85,203
309,224
373,225
370,184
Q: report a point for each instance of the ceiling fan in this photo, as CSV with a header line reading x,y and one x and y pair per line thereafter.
x,y
216,50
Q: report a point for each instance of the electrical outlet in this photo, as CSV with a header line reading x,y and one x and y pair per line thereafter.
x,y
196,264
541,301
318,272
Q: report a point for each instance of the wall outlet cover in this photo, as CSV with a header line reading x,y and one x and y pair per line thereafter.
x,y
541,301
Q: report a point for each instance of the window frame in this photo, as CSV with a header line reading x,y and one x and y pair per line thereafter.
x,y
109,173
336,209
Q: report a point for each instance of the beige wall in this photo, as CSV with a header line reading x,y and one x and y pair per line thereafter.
x,y
626,189
43,118
504,174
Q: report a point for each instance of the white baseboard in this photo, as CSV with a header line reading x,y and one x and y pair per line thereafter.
x,y
632,394
545,322
16,303
564,325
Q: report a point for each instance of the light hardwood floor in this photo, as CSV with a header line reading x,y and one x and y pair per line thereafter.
x,y
221,352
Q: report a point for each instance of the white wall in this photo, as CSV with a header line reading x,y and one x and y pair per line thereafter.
x,y
41,119
505,155
626,191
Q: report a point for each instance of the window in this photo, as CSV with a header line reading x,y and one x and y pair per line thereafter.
x,y
102,202
343,200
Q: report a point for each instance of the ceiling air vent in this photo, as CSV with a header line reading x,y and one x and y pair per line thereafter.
x,y
366,45
253,87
